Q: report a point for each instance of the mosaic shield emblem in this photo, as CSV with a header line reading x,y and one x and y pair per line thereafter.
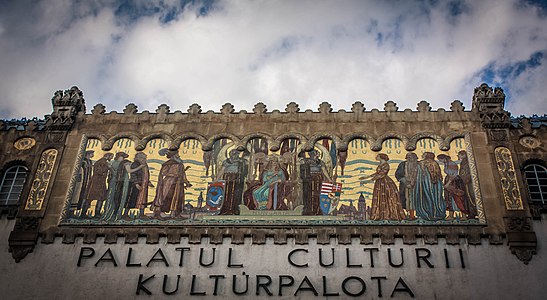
x,y
330,193
215,194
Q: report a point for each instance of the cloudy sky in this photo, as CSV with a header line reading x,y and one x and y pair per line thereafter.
x,y
212,52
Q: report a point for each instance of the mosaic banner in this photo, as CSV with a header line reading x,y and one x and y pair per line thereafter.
x,y
325,186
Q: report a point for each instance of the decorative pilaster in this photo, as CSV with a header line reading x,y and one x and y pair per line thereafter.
x,y
490,105
66,107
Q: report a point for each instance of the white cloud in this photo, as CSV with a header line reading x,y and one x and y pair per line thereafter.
x,y
275,52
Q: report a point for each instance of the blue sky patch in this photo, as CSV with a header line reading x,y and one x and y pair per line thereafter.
x,y
499,75
128,12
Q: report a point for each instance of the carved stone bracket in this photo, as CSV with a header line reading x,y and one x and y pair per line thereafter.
x,y
521,238
24,236
280,235
9,210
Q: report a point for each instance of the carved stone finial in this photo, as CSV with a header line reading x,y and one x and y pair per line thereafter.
x,y
163,109
194,109
57,96
98,109
498,92
130,109
457,105
66,106
390,106
325,107
423,106
358,107
227,109
73,97
487,99
292,108
490,103
259,108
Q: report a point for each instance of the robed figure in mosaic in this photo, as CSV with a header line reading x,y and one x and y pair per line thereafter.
x,y
97,188
111,207
455,196
430,204
386,203
233,171
85,177
118,188
172,181
406,174
139,182
465,175
313,173
270,194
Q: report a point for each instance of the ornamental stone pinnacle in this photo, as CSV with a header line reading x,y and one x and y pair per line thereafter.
x,y
194,109
98,109
259,108
292,108
130,109
390,106
457,105
162,109
358,107
325,108
227,109
423,106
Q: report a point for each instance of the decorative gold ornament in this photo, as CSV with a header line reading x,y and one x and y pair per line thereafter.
x,y
41,180
508,177
529,142
24,143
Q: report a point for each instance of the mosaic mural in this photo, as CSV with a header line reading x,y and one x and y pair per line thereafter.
x,y
254,185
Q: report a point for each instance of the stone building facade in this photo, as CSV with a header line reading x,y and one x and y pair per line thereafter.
x,y
291,204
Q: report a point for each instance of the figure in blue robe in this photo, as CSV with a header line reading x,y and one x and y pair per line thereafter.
x,y
269,194
428,193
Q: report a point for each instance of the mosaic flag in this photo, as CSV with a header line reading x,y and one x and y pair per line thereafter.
x,y
215,194
330,193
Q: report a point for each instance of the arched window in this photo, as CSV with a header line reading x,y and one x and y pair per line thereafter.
x,y
12,185
536,179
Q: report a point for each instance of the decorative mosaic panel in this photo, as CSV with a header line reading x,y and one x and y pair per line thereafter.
x,y
41,180
251,184
24,143
508,178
